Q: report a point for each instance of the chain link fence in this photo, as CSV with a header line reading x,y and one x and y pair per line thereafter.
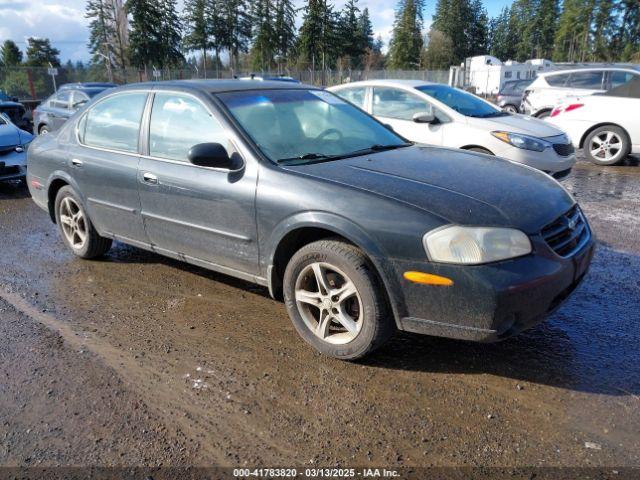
x,y
31,85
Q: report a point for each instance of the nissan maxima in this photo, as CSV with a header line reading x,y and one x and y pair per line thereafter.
x,y
359,231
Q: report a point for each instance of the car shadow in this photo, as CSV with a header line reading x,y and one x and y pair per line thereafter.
x,y
589,345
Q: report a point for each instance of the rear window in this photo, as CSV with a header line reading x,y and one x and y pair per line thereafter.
x,y
557,80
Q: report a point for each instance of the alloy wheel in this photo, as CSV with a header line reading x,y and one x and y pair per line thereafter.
x,y
606,146
72,221
329,303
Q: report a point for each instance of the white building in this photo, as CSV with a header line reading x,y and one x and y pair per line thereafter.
x,y
488,74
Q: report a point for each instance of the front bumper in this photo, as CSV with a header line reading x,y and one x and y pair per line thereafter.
x,y
548,161
488,303
13,166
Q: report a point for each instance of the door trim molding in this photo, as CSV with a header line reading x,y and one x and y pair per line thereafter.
x,y
213,231
115,206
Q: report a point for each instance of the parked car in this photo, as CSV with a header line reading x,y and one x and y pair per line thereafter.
x,y
55,110
606,126
13,109
13,146
437,114
510,95
552,88
291,187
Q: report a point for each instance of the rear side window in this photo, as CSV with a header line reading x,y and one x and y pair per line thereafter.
x,y
620,78
114,123
178,122
586,80
353,95
557,80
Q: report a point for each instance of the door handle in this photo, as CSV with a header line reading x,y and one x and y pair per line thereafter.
x,y
150,178
76,163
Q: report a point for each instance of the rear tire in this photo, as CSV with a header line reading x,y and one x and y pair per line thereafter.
x,y
336,301
78,233
607,145
510,109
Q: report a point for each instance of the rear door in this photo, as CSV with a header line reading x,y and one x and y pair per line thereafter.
x,y
190,211
586,83
105,164
396,107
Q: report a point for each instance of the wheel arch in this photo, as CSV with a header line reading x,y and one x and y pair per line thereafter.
x,y
602,124
295,233
57,180
470,146
541,111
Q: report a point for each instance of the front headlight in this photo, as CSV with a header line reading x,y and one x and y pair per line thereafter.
x,y
522,141
475,245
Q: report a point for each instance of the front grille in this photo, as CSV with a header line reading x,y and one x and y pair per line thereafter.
x,y
567,234
9,170
564,149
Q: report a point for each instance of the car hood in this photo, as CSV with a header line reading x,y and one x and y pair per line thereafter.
x,y
517,124
457,186
9,135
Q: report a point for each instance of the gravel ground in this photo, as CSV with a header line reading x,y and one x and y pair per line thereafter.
x,y
137,360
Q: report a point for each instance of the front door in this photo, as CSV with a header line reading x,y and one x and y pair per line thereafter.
x,y
196,212
396,107
105,165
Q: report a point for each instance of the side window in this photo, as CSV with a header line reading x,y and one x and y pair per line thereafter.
x,y
393,103
178,122
114,122
78,100
557,80
587,80
61,100
354,95
620,78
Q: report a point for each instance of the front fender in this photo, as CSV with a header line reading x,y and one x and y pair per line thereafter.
x,y
345,228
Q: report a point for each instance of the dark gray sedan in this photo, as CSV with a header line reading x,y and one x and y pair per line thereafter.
x,y
291,187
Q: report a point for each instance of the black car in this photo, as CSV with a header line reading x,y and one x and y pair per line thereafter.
x,y
291,187
55,110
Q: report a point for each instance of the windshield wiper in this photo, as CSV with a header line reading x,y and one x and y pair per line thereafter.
x,y
377,148
308,156
323,157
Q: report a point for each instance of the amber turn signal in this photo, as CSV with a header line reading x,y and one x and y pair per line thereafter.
x,y
428,279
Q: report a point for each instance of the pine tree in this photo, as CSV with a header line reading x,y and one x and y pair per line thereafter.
x,y
627,40
478,30
574,30
235,28
349,34
603,29
285,29
170,34
546,24
145,39
406,41
317,40
366,30
101,34
500,35
198,30
10,54
40,53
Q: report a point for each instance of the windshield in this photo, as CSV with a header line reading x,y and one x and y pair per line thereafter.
x,y
462,102
305,125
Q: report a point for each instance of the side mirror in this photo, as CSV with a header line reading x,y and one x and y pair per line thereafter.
x,y
388,127
424,117
212,155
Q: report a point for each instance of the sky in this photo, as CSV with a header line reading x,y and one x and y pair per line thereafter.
x,y
64,23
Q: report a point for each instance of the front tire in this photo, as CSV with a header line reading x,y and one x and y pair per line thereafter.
x,y
510,109
78,233
607,145
336,300
43,130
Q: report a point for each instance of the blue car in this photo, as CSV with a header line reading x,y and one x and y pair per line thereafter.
x,y
13,150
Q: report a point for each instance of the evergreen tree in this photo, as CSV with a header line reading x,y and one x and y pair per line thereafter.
x,y
317,37
198,30
627,41
604,26
235,28
10,54
170,34
574,30
101,34
500,36
366,30
264,35
40,53
406,41
478,30
145,38
349,33
285,29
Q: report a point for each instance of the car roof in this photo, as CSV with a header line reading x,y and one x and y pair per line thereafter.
x,y
88,85
628,68
389,82
217,86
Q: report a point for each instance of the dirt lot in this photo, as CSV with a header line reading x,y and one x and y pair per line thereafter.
x,y
138,360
